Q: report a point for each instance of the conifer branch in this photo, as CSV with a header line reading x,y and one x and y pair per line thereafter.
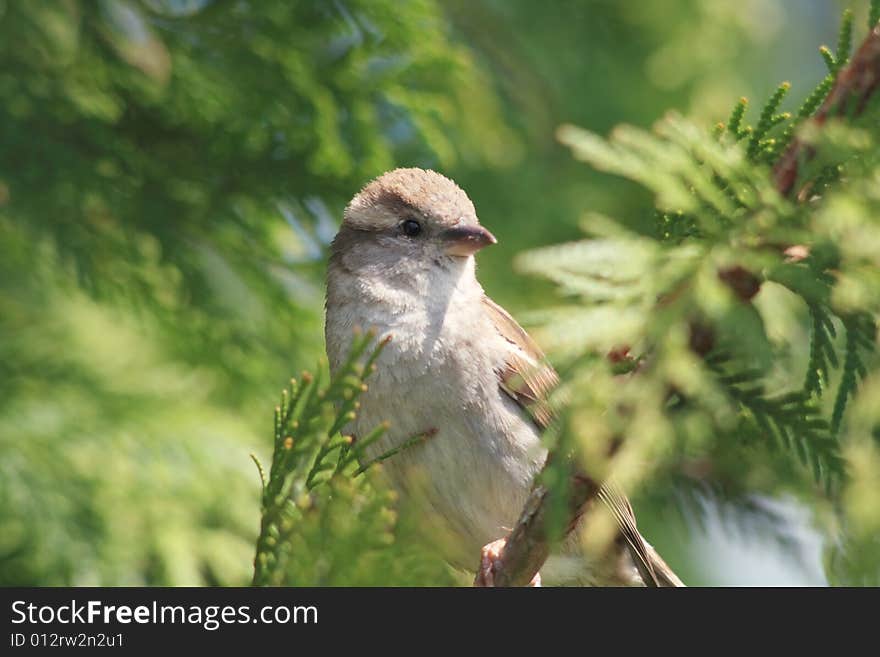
x,y
823,357
853,87
860,330
844,40
767,120
307,424
791,420
412,441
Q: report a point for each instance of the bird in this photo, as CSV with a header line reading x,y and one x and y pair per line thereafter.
x,y
458,368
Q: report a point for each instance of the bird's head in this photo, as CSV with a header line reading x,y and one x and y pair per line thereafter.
x,y
410,221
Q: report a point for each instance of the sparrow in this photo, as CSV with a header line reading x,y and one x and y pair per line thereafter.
x,y
459,368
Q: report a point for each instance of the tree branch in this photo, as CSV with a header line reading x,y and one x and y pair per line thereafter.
x,y
528,545
854,86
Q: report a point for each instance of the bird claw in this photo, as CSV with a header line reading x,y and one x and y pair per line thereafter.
x,y
490,556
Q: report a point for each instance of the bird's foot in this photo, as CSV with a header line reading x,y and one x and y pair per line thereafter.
x,y
490,556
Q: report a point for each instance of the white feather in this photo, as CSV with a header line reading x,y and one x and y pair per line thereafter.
x,y
439,373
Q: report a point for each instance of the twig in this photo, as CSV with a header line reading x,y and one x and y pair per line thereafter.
x,y
854,86
260,470
528,545
418,439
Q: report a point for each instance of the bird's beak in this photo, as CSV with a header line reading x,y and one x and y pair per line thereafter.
x,y
466,240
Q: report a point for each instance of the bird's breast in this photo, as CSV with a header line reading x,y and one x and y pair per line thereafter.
x,y
438,378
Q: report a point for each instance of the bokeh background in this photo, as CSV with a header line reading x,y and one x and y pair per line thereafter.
x,y
172,171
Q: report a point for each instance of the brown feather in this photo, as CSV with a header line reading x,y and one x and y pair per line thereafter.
x,y
529,379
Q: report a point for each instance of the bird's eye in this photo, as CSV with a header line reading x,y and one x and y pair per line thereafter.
x,y
411,227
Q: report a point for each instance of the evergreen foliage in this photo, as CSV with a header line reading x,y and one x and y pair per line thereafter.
x,y
323,523
171,172
693,303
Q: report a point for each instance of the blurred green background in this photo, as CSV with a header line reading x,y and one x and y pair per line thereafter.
x,y
171,172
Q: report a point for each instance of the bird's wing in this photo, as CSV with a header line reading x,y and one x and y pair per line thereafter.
x,y
529,379
526,376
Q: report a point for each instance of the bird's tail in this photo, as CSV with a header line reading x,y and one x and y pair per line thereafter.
x,y
662,572
653,571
